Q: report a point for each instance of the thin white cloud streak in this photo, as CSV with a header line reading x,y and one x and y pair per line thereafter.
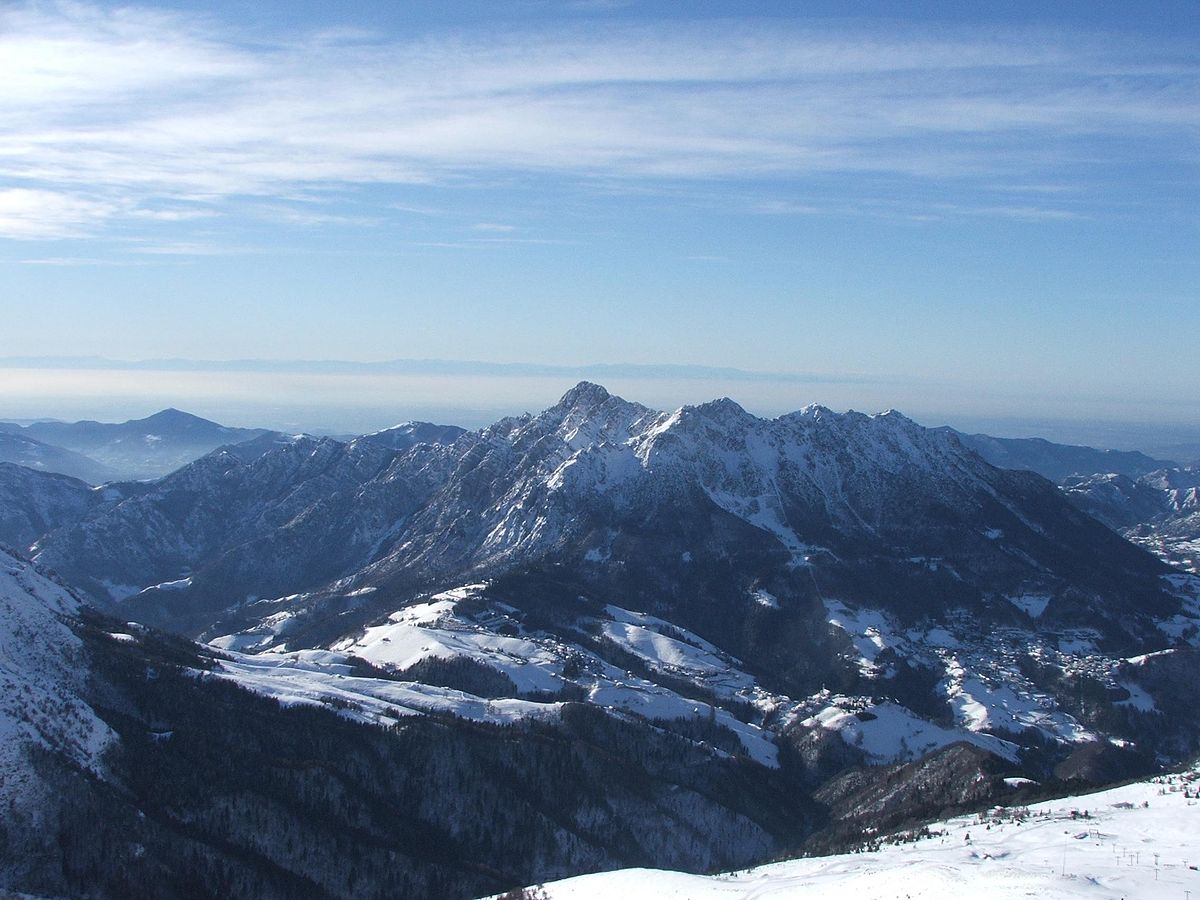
x,y
107,116
33,214
180,248
70,261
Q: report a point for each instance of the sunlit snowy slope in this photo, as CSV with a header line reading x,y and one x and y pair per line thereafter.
x,y
1138,841
42,673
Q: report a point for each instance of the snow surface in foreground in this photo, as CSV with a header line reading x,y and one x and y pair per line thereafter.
x,y
1137,841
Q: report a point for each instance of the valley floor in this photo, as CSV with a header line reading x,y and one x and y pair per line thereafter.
x,y
1137,841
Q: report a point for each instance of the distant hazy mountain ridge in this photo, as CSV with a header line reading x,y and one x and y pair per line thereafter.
x,y
137,449
1058,461
22,450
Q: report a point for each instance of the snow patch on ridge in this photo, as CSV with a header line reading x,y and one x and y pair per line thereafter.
x,y
1033,605
869,630
887,732
302,679
764,598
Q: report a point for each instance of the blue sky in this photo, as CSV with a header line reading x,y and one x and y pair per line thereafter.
x,y
963,210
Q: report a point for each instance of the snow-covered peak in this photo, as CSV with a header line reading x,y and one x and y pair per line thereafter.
x,y
842,464
404,435
721,410
588,415
815,412
842,467
810,411
717,421
895,417
586,394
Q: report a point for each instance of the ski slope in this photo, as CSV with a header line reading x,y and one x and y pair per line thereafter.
x,y
1136,841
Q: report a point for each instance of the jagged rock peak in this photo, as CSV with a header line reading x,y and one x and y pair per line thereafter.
x,y
723,406
589,414
894,415
814,411
588,400
722,410
817,412
585,394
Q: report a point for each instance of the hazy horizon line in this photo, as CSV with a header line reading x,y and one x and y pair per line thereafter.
x,y
431,366
356,397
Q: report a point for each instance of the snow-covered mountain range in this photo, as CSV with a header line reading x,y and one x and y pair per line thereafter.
x,y
813,497
788,579
858,620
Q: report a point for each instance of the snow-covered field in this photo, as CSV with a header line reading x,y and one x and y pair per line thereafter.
x,y
1137,841
887,731
533,663
983,684
988,695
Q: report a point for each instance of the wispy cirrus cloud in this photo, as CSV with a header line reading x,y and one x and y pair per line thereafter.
x,y
38,213
109,117
69,262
